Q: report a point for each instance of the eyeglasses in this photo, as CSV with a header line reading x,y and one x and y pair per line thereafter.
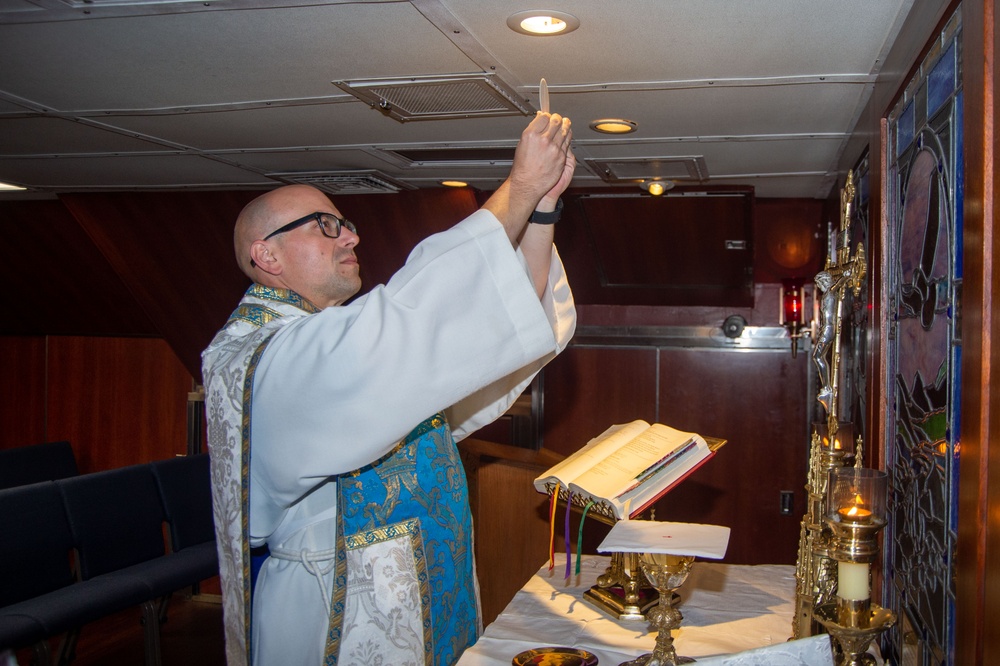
x,y
328,223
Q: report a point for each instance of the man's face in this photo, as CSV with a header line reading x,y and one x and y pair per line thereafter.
x,y
322,269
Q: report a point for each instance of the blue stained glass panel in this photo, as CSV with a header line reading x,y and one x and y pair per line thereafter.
x,y
924,192
904,129
941,81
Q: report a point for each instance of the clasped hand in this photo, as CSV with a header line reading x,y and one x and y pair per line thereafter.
x,y
543,160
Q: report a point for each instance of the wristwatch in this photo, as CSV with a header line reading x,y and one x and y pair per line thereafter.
x,y
538,217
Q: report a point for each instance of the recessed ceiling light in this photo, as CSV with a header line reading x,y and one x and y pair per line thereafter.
x,y
454,183
542,22
614,126
11,188
656,187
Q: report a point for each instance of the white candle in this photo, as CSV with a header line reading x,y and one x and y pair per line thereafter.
x,y
852,581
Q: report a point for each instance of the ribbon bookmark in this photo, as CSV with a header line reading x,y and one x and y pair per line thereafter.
x,y
553,503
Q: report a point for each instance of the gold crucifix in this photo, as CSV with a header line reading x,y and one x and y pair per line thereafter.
x,y
842,272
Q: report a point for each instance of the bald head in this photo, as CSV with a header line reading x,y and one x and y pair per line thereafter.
x,y
321,268
270,211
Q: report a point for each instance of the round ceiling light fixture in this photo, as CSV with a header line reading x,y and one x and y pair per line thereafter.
x,y
614,126
542,22
656,187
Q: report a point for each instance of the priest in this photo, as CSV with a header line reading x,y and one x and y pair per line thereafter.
x,y
340,502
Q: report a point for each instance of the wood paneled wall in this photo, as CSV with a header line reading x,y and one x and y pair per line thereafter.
x,y
22,391
978,552
510,519
118,401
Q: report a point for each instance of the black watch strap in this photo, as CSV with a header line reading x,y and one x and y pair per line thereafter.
x,y
539,217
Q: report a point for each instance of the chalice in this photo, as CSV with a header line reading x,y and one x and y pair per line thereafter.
x,y
666,573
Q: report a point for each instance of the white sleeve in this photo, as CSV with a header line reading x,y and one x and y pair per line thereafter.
x,y
335,390
489,403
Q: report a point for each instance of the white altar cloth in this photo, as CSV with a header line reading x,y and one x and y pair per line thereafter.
x,y
727,608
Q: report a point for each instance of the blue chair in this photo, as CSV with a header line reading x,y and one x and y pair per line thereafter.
x,y
117,521
39,597
111,524
25,465
185,486
34,561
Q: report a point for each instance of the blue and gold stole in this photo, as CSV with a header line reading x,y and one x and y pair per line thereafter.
x,y
417,493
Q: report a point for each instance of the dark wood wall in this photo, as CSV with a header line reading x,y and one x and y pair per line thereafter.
x,y
107,362
118,401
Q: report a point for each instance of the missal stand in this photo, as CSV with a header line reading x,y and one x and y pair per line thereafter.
x,y
622,591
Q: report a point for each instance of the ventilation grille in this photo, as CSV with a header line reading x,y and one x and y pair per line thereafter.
x,y
345,182
438,97
680,168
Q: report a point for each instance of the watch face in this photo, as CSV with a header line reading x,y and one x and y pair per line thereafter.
x,y
555,656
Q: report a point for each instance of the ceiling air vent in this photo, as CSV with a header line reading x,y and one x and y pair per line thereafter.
x,y
369,181
691,168
438,97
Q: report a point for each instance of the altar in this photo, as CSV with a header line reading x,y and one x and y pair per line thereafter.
x,y
727,608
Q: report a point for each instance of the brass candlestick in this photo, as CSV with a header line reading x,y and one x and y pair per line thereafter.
x,y
843,276
855,515
666,573
815,571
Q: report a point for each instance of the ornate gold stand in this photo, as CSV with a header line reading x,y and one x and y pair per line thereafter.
x,y
855,515
619,592
853,629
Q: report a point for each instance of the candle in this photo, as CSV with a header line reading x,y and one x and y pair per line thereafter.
x,y
852,581
854,514
836,443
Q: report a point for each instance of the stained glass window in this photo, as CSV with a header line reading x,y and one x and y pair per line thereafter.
x,y
924,272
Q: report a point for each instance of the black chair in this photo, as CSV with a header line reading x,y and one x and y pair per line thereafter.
x,y
117,522
39,598
185,486
34,560
25,465
112,522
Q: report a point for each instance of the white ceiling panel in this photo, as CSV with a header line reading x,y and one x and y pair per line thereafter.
x,y
151,62
657,40
134,172
58,136
182,94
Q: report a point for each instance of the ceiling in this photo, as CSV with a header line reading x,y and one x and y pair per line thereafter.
x,y
99,95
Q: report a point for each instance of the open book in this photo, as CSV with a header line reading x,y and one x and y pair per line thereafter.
x,y
627,468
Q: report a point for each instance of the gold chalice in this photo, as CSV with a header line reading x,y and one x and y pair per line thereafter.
x,y
666,573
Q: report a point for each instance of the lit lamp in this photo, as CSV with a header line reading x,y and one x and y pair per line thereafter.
x,y
656,187
791,310
856,498
838,443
